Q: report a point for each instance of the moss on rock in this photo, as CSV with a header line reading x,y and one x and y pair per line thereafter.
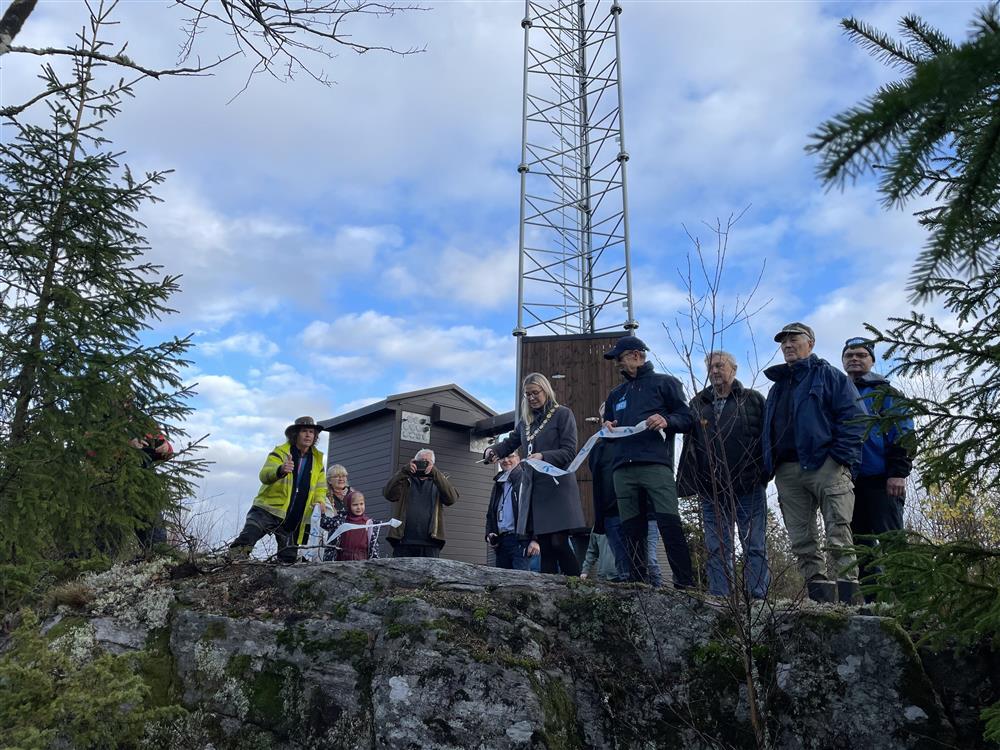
x,y
561,729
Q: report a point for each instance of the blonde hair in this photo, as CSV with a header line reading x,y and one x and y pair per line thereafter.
x,y
334,471
536,378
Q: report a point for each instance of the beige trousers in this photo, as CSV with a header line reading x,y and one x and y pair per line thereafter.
x,y
831,490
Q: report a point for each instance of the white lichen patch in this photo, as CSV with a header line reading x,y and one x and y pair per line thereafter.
x,y
849,667
78,643
210,662
232,696
133,594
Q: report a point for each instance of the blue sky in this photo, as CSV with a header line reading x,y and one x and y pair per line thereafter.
x,y
342,243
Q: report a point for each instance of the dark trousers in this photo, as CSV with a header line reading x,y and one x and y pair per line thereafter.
x,y
511,554
558,555
874,513
259,524
656,482
416,550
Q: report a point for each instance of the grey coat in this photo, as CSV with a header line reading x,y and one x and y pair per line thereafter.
x,y
544,506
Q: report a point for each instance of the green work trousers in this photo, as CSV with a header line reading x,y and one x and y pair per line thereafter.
x,y
830,490
656,480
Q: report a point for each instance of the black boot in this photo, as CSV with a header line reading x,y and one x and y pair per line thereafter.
x,y
678,554
634,531
822,591
848,592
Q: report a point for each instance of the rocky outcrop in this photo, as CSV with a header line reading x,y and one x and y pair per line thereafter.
x,y
439,654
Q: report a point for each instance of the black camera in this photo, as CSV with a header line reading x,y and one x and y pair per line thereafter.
x,y
421,465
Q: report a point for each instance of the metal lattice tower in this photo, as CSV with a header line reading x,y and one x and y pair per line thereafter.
x,y
574,274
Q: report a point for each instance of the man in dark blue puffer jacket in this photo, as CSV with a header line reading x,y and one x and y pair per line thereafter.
x,y
813,429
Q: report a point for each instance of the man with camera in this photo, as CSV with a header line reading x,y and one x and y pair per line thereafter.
x,y
418,493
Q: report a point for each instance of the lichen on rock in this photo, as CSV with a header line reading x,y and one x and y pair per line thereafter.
x,y
440,655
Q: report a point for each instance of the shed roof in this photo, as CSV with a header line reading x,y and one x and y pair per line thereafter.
x,y
398,401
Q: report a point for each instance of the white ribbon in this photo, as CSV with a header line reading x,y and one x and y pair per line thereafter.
x,y
605,433
345,527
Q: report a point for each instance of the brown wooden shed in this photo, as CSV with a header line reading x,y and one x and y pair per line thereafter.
x,y
375,441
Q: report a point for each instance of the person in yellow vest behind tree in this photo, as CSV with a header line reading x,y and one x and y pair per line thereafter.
x,y
292,482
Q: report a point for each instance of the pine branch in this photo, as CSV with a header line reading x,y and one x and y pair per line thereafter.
x,y
882,47
987,20
927,39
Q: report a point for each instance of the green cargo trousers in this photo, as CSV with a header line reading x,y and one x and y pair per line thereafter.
x,y
831,490
656,482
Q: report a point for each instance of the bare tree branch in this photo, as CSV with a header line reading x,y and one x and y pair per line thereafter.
x,y
278,34
122,60
13,19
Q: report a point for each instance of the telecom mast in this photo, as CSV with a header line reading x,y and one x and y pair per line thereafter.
x,y
573,271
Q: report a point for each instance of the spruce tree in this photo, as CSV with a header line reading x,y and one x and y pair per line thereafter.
x,y
936,134
80,372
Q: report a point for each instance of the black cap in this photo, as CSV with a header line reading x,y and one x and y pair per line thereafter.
x,y
626,344
859,343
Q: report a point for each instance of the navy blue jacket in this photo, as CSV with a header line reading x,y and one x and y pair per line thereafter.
x,y
601,463
635,400
826,407
882,453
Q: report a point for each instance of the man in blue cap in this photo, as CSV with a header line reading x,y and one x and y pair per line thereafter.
x,y
644,463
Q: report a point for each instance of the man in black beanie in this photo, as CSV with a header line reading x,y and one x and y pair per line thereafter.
x,y
880,486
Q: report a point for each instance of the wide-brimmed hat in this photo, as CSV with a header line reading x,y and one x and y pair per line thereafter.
x,y
299,423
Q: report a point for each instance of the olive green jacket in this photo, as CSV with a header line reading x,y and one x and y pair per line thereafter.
x,y
398,490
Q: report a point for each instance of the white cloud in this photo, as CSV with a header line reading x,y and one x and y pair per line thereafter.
x,y
358,403
253,344
232,265
409,347
486,280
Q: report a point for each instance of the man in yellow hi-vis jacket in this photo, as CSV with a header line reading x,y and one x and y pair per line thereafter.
x,y
292,482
